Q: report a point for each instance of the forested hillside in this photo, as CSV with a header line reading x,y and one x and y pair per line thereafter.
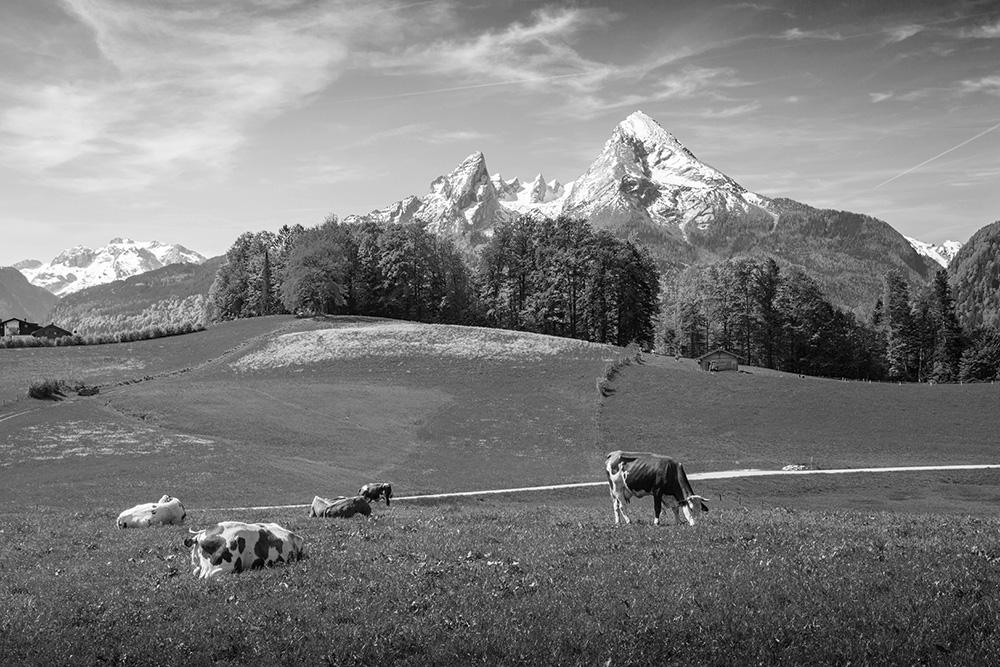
x,y
975,279
170,296
19,298
845,253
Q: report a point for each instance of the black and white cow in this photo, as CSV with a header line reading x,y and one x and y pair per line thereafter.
x,y
235,546
642,474
376,490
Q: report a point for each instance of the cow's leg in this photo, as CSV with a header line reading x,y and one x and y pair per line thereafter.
x,y
619,509
677,516
657,506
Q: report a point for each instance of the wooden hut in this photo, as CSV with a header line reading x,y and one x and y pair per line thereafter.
x,y
719,360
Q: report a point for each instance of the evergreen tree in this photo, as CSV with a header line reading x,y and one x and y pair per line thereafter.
x,y
948,343
899,327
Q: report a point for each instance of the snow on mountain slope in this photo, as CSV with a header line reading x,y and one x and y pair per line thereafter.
x,y
942,254
80,267
644,173
463,205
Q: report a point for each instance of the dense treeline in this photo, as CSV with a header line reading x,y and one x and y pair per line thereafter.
x,y
770,317
550,276
559,277
781,319
924,341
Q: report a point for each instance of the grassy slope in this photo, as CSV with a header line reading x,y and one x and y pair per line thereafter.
x,y
767,419
438,582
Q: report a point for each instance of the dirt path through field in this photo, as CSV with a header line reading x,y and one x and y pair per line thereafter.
x,y
719,474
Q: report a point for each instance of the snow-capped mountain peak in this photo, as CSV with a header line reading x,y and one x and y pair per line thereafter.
x,y
80,267
942,254
643,175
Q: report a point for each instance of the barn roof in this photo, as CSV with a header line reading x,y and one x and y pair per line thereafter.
x,y
720,350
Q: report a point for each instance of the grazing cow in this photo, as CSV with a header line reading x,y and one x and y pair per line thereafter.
x,y
376,490
640,474
234,546
340,507
166,510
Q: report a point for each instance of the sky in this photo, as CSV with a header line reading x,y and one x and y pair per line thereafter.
x,y
192,121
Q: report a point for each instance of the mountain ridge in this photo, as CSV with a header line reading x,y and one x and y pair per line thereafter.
x,y
81,267
645,184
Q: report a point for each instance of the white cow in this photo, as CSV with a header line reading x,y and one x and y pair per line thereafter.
x,y
166,510
234,546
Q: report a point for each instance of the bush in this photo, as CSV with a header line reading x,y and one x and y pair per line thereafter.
x,y
47,389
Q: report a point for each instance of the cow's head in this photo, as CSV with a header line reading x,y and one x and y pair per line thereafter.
x,y
693,507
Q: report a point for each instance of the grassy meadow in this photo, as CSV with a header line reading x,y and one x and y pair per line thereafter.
x,y
875,569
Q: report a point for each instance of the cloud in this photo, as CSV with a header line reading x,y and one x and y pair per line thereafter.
x,y
986,31
881,97
534,54
732,112
795,34
177,86
423,132
986,84
902,32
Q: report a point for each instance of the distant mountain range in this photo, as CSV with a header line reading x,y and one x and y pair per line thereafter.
x,y
646,185
81,267
171,295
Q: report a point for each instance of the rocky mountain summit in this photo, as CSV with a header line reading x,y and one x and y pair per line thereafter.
x,y
643,176
80,267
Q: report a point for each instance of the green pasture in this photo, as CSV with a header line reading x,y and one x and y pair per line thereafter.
x,y
888,568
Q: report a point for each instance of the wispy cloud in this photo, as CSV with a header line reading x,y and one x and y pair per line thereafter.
x,y
422,132
985,31
177,87
795,34
986,84
536,53
732,112
900,33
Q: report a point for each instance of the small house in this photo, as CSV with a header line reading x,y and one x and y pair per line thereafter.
x,y
50,331
17,327
719,360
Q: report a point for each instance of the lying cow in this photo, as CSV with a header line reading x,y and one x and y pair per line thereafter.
x,y
166,510
641,474
234,546
372,492
340,507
